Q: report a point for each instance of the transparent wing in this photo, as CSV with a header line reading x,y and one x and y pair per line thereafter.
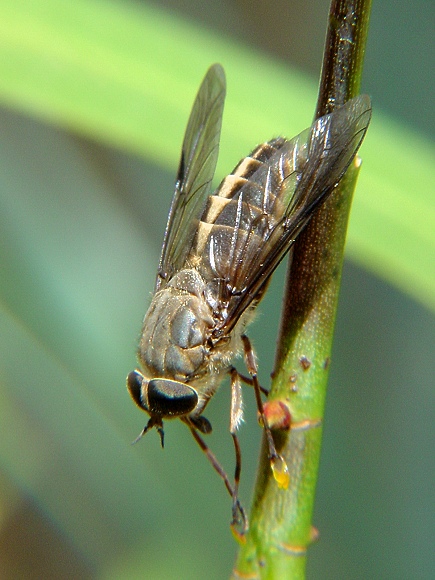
x,y
277,201
195,173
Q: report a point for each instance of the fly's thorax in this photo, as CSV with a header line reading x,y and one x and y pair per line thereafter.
x,y
176,329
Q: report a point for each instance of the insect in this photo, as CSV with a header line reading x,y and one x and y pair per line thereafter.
x,y
218,254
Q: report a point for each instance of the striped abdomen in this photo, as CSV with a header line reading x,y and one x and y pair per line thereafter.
x,y
239,215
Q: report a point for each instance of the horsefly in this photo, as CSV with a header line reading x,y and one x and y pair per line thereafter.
x,y
219,252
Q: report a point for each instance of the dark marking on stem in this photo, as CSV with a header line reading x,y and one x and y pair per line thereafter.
x,y
305,362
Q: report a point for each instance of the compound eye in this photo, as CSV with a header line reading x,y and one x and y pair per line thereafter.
x,y
134,386
170,398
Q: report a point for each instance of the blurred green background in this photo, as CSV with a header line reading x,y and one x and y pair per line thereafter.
x,y
96,96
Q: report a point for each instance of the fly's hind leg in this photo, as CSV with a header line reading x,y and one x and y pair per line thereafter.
x,y
277,462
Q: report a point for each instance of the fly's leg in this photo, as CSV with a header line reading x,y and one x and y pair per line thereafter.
x,y
277,462
237,506
236,417
250,382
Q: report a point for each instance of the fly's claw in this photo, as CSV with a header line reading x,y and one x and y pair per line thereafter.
x,y
280,471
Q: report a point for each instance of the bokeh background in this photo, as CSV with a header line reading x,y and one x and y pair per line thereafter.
x,y
82,213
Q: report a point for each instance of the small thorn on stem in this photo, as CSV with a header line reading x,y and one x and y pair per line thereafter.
x,y
240,537
314,534
277,414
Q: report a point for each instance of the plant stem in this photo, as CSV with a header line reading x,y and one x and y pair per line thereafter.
x,y
281,528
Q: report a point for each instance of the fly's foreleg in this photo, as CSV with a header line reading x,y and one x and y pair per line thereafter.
x,y
237,506
277,462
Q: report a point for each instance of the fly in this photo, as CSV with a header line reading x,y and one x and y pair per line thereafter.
x,y
218,254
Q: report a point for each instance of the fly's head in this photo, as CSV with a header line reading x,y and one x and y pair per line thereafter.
x,y
165,399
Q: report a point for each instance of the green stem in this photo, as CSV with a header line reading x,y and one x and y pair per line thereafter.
x,y
280,528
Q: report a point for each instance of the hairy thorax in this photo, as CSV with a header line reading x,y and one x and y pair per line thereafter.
x,y
176,340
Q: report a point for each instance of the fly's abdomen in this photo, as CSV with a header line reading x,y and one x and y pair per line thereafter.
x,y
239,215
